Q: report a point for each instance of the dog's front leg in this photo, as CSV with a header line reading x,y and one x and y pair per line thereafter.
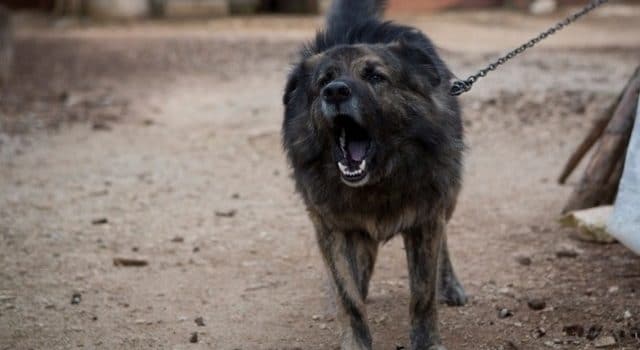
x,y
349,257
422,246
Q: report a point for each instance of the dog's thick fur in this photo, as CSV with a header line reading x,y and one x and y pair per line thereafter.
x,y
387,82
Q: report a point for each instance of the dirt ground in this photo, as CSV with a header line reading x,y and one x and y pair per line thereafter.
x,y
161,142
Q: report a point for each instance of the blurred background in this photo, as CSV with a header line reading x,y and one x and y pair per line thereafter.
x,y
145,201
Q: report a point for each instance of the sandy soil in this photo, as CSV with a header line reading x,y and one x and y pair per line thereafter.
x,y
161,142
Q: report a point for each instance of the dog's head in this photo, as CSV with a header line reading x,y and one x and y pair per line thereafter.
x,y
354,106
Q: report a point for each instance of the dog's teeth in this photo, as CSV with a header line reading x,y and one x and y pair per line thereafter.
x,y
363,165
343,168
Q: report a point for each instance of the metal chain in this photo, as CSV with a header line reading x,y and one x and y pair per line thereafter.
x,y
459,87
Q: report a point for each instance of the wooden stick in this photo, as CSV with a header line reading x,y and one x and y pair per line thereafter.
x,y
592,137
592,189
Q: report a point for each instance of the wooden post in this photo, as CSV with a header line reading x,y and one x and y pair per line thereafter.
x,y
599,182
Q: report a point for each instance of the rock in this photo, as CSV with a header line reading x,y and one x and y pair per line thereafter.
x,y
101,126
593,332
523,260
130,262
574,330
226,214
613,289
177,239
539,332
76,298
194,337
567,253
536,304
591,224
504,313
199,321
626,315
316,317
100,221
605,342
509,345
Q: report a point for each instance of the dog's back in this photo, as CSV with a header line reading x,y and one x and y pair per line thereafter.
x,y
6,45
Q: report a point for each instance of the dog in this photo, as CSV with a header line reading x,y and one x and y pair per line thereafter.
x,y
375,143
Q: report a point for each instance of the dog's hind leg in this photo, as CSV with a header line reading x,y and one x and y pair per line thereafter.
x,y
422,245
350,258
450,290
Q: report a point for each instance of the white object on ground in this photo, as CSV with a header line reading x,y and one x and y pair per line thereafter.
x,y
591,223
624,223
543,7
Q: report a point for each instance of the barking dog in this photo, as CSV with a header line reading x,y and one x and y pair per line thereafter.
x,y
376,146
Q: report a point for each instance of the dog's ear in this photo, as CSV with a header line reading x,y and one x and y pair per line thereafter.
x,y
418,52
292,84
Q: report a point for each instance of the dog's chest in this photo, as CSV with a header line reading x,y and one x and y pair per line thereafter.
x,y
383,226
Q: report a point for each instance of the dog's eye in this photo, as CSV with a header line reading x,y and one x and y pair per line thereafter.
x,y
374,77
325,79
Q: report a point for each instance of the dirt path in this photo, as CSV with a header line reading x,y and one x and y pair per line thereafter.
x,y
181,156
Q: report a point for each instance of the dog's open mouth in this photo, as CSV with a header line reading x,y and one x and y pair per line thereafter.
x,y
354,147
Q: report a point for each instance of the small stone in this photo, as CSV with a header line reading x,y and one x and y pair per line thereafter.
x,y
593,332
226,214
614,289
539,332
76,298
101,126
626,315
567,253
605,342
194,337
509,345
574,330
177,239
523,260
199,321
504,313
316,317
130,262
100,221
536,304
235,196
323,326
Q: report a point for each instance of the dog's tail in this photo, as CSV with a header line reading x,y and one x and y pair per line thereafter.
x,y
345,14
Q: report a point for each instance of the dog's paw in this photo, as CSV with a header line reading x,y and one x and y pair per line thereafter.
x,y
453,294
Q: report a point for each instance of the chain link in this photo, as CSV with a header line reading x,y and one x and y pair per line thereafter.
x,y
459,87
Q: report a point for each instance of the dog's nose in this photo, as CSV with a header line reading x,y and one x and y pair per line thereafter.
x,y
336,92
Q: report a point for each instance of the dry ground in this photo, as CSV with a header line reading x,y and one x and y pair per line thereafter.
x,y
177,147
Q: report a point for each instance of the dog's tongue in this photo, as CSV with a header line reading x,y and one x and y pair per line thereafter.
x,y
357,149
